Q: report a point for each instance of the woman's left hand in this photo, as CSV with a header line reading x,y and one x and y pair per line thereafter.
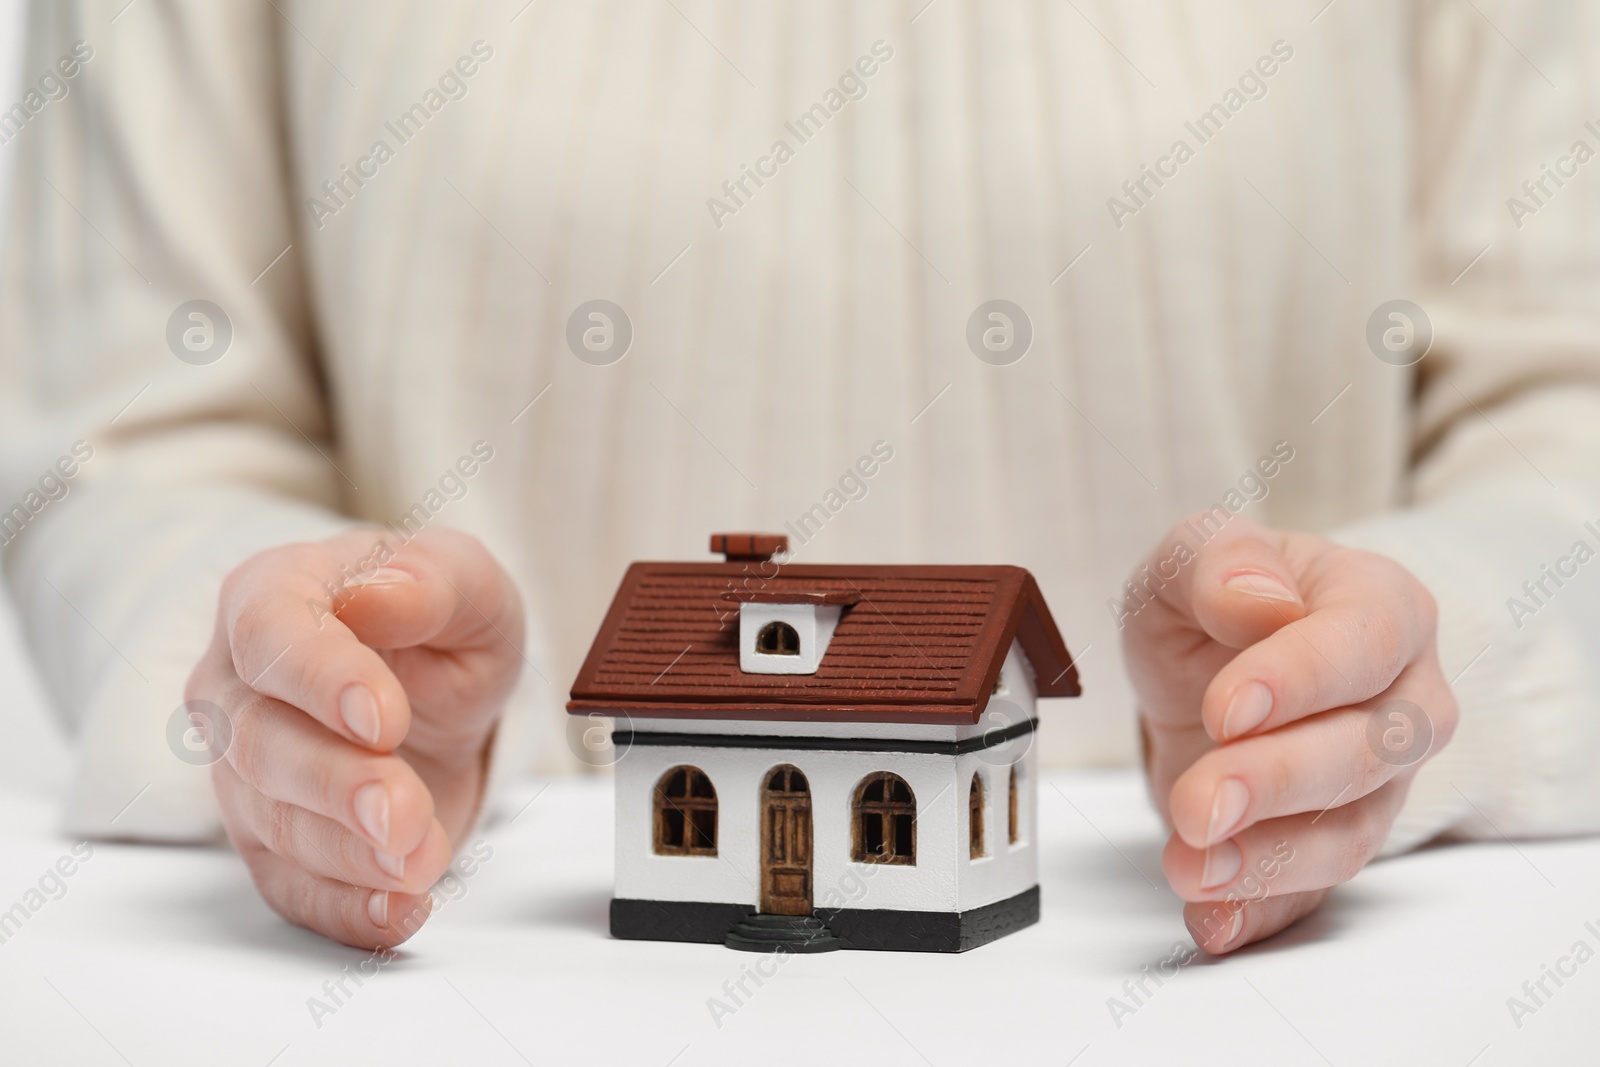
x,y
1289,689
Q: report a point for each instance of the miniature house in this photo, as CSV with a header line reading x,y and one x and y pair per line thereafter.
x,y
824,756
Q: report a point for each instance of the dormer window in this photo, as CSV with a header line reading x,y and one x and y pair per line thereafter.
x,y
778,639
787,632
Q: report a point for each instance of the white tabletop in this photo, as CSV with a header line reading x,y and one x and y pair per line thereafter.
x,y
161,956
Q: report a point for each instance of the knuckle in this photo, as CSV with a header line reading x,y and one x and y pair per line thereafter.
x,y
344,858
1383,634
325,780
1373,641
211,671
308,674
192,686
249,753
1371,773
246,627
223,784
1274,780
1427,605
279,832
237,582
242,601
1447,717
256,858
1365,835
1368,769
1418,604
241,582
303,899
1363,559
241,836
245,755
354,859
1348,860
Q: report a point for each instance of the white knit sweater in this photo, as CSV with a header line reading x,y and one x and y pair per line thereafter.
x,y
1191,308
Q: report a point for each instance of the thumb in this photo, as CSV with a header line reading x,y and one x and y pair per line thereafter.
x,y
1245,589
443,590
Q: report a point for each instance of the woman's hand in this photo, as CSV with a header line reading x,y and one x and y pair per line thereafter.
x,y
1289,688
362,681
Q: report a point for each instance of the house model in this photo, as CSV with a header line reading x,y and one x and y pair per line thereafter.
x,y
824,756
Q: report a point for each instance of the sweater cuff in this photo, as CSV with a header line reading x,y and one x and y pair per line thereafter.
x,y
1523,761
138,775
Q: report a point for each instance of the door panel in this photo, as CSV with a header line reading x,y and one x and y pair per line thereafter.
x,y
786,842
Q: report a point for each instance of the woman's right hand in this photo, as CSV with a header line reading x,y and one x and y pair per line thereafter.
x,y
361,681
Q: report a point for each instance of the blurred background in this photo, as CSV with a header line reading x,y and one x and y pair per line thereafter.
x,y
1167,356
35,755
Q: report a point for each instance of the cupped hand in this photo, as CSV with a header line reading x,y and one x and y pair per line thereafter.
x,y
1289,689
361,680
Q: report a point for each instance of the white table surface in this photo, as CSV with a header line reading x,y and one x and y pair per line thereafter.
x,y
160,956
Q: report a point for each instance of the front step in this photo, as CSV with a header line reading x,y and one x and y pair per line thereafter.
x,y
768,933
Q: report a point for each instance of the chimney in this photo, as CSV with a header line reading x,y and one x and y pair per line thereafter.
x,y
748,547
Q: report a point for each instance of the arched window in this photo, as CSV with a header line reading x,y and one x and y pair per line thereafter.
x,y
975,847
1014,819
885,820
788,779
778,639
686,814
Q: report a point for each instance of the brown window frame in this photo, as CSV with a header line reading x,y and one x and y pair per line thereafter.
x,y
976,795
779,627
1014,816
895,821
695,807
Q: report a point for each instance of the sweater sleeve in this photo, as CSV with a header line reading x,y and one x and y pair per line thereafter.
x,y
1503,524
148,443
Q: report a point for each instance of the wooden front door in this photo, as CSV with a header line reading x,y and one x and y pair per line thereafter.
x,y
786,843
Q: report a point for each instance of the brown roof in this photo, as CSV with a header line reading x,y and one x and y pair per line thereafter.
x,y
919,644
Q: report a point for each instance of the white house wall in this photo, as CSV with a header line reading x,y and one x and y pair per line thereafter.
x,y
1018,692
734,874
944,878
1007,869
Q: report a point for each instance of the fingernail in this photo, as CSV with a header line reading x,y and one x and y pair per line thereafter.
x,y
1201,929
1223,861
1248,709
1238,925
383,576
393,866
372,811
1260,584
359,710
378,908
1227,808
